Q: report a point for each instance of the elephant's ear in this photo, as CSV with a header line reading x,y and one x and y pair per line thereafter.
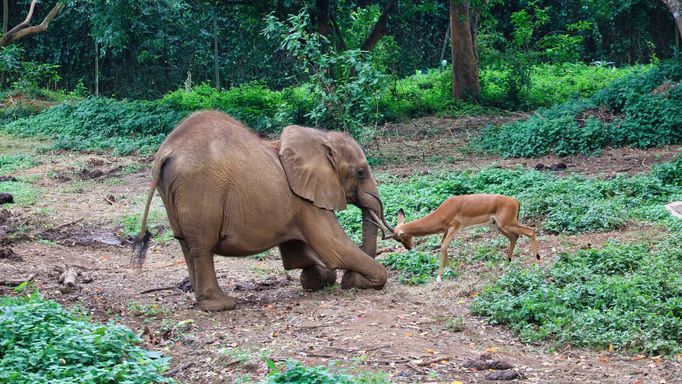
x,y
309,162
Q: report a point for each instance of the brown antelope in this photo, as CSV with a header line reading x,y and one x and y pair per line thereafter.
x,y
459,212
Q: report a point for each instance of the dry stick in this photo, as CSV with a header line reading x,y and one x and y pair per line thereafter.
x,y
157,289
429,362
13,283
178,369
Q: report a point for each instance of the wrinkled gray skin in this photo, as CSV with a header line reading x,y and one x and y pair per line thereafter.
x,y
228,192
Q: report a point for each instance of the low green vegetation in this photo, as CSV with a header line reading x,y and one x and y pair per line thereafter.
x,y
15,162
295,372
622,296
23,192
101,124
415,267
573,204
40,342
642,110
140,126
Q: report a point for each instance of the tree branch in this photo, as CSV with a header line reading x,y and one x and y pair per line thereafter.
x,y
23,29
380,29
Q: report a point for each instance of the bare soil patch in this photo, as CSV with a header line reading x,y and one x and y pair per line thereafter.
x,y
415,334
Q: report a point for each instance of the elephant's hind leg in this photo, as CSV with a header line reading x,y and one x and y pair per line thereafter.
x,y
208,293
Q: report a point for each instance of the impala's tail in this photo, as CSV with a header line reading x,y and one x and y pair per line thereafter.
x,y
141,242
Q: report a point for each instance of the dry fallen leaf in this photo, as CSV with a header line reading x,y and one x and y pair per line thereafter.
x,y
408,334
429,350
491,350
610,347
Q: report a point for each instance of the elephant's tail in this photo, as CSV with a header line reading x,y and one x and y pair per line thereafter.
x,y
141,242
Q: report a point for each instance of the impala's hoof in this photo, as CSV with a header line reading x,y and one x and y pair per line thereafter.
x,y
537,256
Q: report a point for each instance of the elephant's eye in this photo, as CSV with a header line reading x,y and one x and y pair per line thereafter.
x,y
361,174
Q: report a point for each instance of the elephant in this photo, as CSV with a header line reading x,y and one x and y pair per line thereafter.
x,y
229,192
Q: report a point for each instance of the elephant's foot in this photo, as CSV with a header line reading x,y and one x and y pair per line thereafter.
x,y
217,303
315,278
355,280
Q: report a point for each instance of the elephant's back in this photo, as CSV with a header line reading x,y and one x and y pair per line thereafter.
x,y
204,129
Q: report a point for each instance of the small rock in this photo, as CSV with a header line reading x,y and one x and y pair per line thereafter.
x,y
7,178
509,374
540,167
558,166
6,198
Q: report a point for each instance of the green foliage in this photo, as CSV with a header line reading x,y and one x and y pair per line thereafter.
x,y
556,204
415,267
100,123
343,85
23,192
295,372
252,103
627,296
41,342
635,116
12,163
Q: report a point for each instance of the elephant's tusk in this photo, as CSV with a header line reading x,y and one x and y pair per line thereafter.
x,y
381,206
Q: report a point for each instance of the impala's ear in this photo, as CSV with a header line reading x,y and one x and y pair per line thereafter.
x,y
401,216
309,161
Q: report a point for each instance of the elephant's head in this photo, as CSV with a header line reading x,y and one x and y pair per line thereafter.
x,y
330,169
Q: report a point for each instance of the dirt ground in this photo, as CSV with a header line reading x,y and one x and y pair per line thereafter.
x,y
413,334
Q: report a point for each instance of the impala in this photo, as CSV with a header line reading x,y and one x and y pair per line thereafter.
x,y
459,212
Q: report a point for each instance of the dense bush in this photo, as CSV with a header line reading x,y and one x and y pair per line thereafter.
x,y
100,123
42,342
643,110
625,296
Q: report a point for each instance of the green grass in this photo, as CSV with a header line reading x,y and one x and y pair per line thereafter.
x,y
40,342
416,267
24,193
624,296
295,372
101,124
629,115
15,162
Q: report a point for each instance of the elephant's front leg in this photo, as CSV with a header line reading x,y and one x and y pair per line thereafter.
x,y
208,293
337,251
298,255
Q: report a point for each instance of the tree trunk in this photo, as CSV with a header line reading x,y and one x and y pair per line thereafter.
x,y
96,68
5,15
445,44
322,17
675,7
216,63
465,83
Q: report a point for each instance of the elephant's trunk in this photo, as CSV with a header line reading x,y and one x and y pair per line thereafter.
x,y
369,234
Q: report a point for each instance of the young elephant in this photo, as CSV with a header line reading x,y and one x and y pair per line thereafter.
x,y
228,192
459,212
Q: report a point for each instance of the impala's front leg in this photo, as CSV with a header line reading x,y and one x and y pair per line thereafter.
x,y
447,238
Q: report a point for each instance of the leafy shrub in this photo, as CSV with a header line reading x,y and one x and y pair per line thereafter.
x,y
297,373
625,296
100,123
41,342
252,103
669,173
415,267
634,116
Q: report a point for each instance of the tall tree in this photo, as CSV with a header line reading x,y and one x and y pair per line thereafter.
x,y
24,29
465,83
5,15
675,7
